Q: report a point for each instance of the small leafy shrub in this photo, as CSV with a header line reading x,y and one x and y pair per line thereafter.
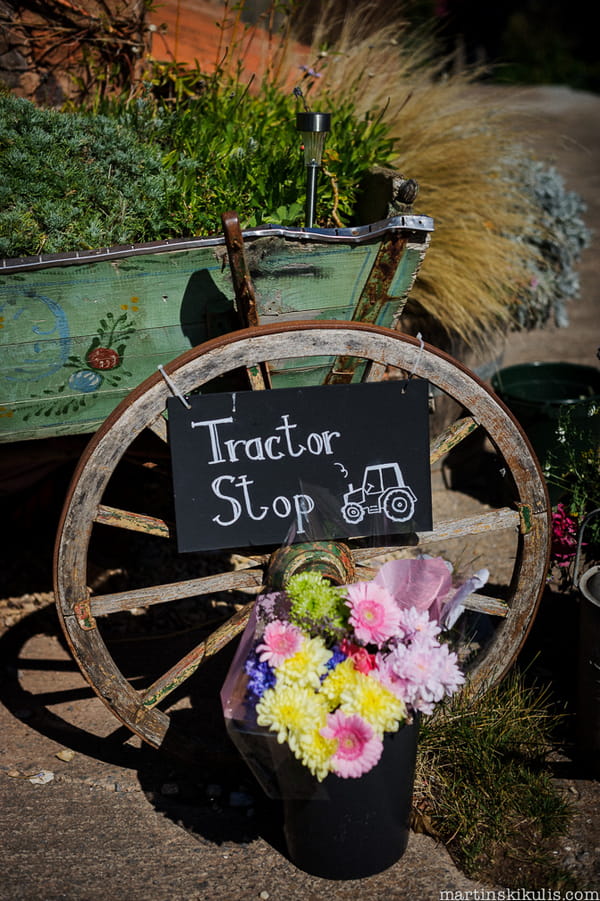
x,y
73,181
169,162
187,145
230,147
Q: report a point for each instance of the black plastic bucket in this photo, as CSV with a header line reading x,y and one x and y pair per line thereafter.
x,y
546,398
361,827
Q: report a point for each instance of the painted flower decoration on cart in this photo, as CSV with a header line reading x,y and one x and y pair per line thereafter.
x,y
331,669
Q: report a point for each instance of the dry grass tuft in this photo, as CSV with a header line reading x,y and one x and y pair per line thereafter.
x,y
460,149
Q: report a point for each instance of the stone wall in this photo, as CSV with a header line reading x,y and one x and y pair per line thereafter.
x,y
60,50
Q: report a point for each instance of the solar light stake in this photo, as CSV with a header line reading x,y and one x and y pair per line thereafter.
x,y
314,128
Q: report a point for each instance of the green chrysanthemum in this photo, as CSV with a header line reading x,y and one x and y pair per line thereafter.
x,y
316,605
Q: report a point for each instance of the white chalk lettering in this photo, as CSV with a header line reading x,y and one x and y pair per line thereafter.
x,y
243,483
257,449
284,503
269,447
236,506
214,436
286,428
328,438
314,443
304,505
253,448
301,504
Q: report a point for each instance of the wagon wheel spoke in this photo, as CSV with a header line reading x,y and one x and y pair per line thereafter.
x,y
135,522
119,602
503,518
187,666
491,522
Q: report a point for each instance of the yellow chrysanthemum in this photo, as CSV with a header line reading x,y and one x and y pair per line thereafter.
x,y
307,665
375,703
292,711
340,679
316,752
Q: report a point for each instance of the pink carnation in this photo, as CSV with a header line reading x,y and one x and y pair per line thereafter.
x,y
421,674
374,615
358,748
417,626
280,641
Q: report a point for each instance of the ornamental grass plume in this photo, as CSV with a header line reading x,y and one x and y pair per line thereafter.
x,y
459,145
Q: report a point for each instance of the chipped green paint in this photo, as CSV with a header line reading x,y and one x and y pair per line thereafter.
x,y
332,559
83,615
526,515
153,699
452,437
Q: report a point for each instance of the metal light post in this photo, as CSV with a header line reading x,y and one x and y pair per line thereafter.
x,y
314,128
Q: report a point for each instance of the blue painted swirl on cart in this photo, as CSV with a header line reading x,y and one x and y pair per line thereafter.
x,y
48,351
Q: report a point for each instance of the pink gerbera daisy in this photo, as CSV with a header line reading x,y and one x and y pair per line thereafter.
x,y
374,615
358,747
280,641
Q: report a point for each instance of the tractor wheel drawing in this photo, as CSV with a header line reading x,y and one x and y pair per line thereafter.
x,y
399,505
353,513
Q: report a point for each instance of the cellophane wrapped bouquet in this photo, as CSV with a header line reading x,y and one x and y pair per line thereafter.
x,y
327,671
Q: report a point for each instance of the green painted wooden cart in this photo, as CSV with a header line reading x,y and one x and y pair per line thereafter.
x,y
96,342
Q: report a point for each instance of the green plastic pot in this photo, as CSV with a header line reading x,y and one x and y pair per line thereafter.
x,y
546,398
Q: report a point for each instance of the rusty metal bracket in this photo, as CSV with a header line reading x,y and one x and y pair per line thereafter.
x,y
245,296
371,302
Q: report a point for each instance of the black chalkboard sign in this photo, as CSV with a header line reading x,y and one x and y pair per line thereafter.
x,y
257,468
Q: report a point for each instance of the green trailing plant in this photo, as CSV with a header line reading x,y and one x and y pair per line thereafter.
x,y
483,782
573,470
231,145
169,162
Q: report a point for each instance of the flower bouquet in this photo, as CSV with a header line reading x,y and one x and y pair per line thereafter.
x,y
323,697
329,671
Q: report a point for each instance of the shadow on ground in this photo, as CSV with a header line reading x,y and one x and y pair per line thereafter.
x,y
213,796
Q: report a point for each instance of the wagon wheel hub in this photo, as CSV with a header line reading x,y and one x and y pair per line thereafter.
x,y
331,559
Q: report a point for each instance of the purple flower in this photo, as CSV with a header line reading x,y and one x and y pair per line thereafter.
x,y
260,677
337,656
309,71
564,536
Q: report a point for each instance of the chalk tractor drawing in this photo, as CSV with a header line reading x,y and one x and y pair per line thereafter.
x,y
383,490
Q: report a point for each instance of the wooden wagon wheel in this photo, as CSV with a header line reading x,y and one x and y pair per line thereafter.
x,y
143,703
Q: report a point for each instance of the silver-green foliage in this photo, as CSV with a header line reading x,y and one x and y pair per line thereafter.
x,y
559,234
72,181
